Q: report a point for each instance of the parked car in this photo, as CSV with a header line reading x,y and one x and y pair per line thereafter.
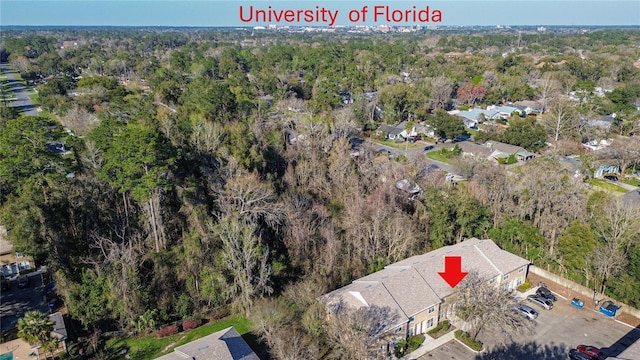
x,y
611,177
609,308
527,311
542,302
23,281
592,351
574,354
5,285
546,293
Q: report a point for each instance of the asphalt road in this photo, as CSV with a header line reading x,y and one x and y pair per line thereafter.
x,y
556,332
420,150
15,302
22,101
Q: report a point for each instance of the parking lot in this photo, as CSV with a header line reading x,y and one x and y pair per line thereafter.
x,y
556,332
15,302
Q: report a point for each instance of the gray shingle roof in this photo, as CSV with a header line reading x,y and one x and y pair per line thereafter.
x,y
226,344
468,147
412,285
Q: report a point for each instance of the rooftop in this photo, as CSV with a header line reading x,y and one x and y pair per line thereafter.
x,y
225,344
412,285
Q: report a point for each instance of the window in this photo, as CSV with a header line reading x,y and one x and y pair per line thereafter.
x,y
430,323
521,269
398,329
492,281
505,277
19,255
431,309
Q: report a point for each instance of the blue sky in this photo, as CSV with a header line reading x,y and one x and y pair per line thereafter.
x,y
227,13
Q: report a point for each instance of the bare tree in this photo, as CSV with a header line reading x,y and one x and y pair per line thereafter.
x,y
618,227
547,90
551,198
441,89
358,333
483,305
79,120
249,198
561,121
246,260
624,152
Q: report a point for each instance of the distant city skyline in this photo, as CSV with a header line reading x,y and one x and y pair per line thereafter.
x,y
216,13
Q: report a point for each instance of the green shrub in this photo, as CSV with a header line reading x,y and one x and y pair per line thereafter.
x,y
467,340
442,326
407,346
524,286
414,342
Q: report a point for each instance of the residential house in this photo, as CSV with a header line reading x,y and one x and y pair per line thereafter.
x,y
472,149
595,145
606,170
632,198
505,111
398,132
59,330
501,150
12,262
604,122
425,129
20,349
225,344
472,117
413,290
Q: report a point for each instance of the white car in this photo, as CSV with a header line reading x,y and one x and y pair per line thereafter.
x,y
544,303
527,311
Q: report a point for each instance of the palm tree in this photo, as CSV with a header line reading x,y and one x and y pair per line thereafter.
x,y
35,327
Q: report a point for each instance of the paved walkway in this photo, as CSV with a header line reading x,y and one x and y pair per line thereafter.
x,y
430,344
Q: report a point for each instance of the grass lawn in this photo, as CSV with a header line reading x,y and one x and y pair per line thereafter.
x,y
397,145
436,155
630,181
34,97
151,347
607,185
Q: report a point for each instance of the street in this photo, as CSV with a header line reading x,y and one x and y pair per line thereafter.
x,y
22,100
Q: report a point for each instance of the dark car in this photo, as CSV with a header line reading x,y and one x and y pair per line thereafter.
x,y
577,355
591,351
23,281
611,177
5,285
546,293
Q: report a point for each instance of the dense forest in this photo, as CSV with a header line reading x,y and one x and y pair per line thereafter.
x,y
182,192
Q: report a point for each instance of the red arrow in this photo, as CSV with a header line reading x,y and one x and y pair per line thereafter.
x,y
453,273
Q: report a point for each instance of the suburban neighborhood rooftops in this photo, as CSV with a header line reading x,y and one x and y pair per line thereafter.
x,y
225,344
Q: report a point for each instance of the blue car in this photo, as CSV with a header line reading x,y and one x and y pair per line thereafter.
x,y
609,308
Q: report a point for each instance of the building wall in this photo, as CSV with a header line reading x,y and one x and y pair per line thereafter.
x,y
11,264
424,321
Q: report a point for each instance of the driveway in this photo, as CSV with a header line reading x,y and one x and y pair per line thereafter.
x,y
22,100
413,152
556,332
15,302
